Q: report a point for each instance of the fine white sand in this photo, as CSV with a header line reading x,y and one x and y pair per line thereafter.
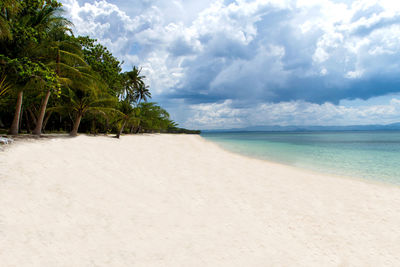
x,y
178,200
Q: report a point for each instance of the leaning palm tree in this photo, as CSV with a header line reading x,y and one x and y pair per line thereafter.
x,y
80,102
83,102
8,11
65,57
17,115
33,25
129,115
85,95
33,81
62,55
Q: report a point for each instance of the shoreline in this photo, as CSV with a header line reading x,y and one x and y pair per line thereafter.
x,y
181,200
45,137
304,169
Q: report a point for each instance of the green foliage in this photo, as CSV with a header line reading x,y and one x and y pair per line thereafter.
x,y
30,23
154,118
7,8
22,70
78,77
178,130
103,62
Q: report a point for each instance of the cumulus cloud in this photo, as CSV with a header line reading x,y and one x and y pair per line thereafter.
x,y
264,53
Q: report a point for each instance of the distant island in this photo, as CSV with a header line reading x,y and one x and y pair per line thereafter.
x,y
294,128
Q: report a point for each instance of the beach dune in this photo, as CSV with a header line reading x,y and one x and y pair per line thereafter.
x,y
178,200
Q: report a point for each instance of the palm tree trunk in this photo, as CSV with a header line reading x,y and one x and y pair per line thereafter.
x,y
20,118
39,124
33,117
107,125
15,124
74,131
46,120
28,122
122,129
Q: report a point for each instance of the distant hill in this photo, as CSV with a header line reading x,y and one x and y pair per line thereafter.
x,y
277,128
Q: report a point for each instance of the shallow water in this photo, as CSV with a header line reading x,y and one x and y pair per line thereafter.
x,y
370,155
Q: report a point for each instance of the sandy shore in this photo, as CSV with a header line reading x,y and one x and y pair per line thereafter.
x,y
178,200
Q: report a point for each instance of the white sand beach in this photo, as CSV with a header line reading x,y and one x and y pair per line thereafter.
x,y
178,200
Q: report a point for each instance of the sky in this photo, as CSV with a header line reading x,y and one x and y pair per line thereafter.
x,y
217,64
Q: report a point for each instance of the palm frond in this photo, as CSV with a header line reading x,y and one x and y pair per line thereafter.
x,y
105,110
103,101
73,58
71,47
58,109
4,86
65,69
65,81
5,32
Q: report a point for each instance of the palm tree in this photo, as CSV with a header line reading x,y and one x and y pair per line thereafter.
x,y
8,8
134,91
67,56
63,54
82,103
85,94
33,24
129,115
133,80
15,123
142,93
153,117
17,115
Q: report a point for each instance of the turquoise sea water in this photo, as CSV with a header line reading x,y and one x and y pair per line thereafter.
x,y
370,155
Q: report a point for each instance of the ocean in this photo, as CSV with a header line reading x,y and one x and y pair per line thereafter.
x,y
369,155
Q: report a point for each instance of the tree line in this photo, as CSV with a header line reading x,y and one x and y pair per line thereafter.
x,y
51,80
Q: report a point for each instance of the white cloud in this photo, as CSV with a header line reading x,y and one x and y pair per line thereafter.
x,y
256,51
300,113
354,74
320,55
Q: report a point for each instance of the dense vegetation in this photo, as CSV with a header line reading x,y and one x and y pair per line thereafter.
x,y
52,81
